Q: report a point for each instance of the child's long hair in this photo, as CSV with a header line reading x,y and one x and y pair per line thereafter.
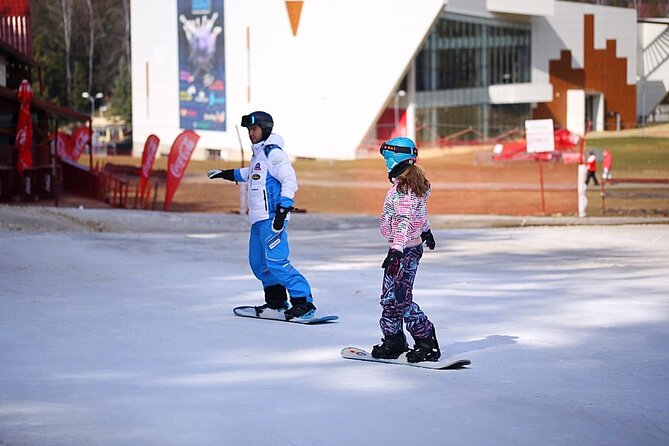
x,y
413,178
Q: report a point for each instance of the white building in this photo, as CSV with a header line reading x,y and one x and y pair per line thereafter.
x,y
652,68
338,76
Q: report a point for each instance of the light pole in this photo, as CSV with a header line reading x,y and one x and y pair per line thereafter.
x,y
398,95
87,95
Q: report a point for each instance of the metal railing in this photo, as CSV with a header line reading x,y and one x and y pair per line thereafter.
x,y
646,196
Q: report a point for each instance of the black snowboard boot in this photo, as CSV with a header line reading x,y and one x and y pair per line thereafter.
x,y
425,349
300,308
391,347
276,298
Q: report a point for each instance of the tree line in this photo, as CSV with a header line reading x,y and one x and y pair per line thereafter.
x,y
84,45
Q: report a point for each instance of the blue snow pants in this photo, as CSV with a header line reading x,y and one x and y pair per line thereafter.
x,y
397,299
268,257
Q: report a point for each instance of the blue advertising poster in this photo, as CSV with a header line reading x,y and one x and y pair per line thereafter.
x,y
201,65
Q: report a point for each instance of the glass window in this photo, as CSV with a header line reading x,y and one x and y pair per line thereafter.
x,y
471,122
470,52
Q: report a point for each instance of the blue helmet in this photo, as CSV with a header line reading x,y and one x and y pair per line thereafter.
x,y
398,150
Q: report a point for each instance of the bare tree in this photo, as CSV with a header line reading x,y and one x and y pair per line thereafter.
x,y
91,44
66,6
126,35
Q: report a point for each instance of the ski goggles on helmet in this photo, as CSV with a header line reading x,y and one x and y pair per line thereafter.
x,y
396,149
262,119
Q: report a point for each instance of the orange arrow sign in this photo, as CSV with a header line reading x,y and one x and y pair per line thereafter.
x,y
294,11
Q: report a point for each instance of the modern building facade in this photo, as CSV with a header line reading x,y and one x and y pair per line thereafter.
x,y
338,77
653,70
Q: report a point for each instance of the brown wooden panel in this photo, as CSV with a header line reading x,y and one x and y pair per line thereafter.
x,y
603,72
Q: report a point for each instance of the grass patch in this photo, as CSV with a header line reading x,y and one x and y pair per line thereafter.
x,y
636,157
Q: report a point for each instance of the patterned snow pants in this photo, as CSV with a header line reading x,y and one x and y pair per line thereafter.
x,y
397,299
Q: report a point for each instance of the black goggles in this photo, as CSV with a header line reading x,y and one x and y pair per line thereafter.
x,y
249,120
396,149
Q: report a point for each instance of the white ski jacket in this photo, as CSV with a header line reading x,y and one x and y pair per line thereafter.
x,y
271,179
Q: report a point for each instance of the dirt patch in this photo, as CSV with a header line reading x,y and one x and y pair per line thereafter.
x,y
463,182
461,185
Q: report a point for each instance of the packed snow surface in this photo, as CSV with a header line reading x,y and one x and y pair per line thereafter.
x,y
128,338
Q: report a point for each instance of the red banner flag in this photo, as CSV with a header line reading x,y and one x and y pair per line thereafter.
x,y
79,139
180,154
63,145
24,129
148,157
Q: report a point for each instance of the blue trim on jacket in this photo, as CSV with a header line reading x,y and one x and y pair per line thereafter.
x,y
268,148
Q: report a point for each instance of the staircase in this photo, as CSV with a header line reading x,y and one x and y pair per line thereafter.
x,y
655,54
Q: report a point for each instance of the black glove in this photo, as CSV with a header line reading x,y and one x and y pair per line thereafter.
x,y
280,218
428,239
392,262
228,174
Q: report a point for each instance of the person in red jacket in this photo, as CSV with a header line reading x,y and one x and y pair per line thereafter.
x,y
591,165
607,164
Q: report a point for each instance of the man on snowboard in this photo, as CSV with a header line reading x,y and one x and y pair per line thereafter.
x,y
271,190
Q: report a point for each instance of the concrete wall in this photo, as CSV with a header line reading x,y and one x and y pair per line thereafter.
x,y
524,7
327,84
324,86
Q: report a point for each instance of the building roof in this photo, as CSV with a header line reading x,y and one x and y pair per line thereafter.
x,y
49,107
16,55
14,7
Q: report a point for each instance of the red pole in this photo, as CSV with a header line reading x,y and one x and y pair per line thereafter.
x,y
137,199
90,143
125,194
54,172
541,182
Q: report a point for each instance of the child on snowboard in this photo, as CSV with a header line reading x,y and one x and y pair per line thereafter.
x,y
404,224
271,189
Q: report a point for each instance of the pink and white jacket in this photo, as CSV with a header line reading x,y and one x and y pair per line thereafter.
x,y
404,218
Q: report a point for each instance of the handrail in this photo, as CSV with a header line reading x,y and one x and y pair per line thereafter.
x,y
646,181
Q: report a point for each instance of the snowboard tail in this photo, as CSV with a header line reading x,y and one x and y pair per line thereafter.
x,y
443,364
277,315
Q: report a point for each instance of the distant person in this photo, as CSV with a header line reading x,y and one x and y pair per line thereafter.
x,y
271,190
404,223
591,166
607,164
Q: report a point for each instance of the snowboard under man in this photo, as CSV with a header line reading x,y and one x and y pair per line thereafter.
x,y
271,190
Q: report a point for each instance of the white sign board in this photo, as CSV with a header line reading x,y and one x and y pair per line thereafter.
x,y
539,135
